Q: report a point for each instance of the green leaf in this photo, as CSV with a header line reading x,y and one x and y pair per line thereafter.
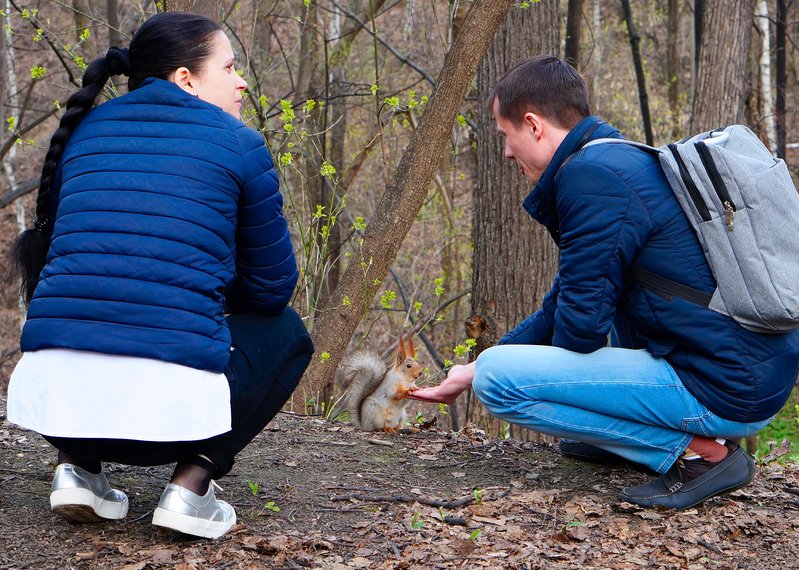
x,y
387,299
327,170
271,506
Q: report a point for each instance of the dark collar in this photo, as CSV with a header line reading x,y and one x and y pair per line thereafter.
x,y
540,203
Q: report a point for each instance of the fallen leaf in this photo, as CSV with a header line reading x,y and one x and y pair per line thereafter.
x,y
359,562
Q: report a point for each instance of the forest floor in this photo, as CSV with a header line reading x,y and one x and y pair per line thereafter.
x,y
314,494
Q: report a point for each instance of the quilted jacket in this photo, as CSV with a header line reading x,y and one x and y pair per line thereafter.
x,y
168,212
608,207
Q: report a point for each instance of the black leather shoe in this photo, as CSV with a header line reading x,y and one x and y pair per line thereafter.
x,y
587,452
681,487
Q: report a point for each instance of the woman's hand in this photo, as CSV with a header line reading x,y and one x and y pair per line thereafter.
x,y
458,380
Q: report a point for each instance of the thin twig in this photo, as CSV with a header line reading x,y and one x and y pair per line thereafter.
x,y
137,519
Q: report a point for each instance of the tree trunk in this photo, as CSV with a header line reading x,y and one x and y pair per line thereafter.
x,y
403,197
721,79
596,78
673,66
574,22
329,79
643,98
762,21
112,11
699,18
782,20
515,259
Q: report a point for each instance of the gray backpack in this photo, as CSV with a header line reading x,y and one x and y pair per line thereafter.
x,y
744,208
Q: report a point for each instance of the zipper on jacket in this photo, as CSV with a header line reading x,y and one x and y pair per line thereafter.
x,y
718,183
693,191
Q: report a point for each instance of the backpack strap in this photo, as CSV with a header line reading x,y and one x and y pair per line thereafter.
x,y
667,288
656,283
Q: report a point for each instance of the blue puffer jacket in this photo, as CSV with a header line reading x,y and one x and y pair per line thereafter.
x,y
169,208
607,207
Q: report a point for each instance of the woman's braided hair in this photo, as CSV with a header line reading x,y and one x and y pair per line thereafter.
x,y
164,43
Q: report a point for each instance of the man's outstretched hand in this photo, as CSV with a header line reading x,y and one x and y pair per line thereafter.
x,y
458,380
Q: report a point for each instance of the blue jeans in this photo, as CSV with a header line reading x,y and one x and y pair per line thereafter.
x,y
625,401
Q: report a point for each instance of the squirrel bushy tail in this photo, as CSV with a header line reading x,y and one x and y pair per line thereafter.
x,y
362,372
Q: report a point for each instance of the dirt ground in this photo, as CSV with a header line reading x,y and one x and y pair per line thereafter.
x,y
313,494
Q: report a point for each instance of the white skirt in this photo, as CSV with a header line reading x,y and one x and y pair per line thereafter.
x,y
72,393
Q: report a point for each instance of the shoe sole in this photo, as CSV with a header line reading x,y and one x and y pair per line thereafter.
x,y
190,525
81,505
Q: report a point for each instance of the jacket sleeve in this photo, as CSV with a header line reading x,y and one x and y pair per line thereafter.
x,y
538,327
266,270
603,226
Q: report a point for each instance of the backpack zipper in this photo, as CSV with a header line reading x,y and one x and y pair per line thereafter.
x,y
693,191
718,183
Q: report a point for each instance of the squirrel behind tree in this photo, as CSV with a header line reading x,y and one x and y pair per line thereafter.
x,y
376,393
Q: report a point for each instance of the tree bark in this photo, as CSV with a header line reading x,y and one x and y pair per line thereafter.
x,y
574,21
514,259
208,8
404,196
721,79
781,72
112,13
699,18
762,21
673,66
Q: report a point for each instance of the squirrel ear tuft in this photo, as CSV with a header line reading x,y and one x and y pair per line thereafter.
x,y
401,352
411,349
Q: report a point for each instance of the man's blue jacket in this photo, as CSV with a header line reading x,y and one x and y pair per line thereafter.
x,y
168,209
608,207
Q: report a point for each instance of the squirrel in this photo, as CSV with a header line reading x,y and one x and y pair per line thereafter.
x,y
376,392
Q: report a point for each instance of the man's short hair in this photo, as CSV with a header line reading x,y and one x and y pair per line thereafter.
x,y
546,86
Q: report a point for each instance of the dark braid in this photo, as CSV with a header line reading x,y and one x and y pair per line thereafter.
x,y
164,43
29,252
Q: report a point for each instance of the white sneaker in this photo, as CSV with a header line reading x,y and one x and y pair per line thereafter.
x,y
80,496
189,513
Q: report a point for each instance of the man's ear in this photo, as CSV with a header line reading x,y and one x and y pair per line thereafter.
x,y
182,78
535,123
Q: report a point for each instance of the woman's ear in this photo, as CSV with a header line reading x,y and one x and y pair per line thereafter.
x,y
182,78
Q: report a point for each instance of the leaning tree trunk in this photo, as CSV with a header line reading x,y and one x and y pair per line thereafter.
x,y
403,197
721,78
514,257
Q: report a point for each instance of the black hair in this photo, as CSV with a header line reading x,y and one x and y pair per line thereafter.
x,y
162,44
544,85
